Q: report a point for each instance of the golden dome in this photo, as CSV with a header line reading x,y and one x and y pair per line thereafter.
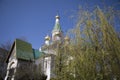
x,y
67,38
47,38
57,17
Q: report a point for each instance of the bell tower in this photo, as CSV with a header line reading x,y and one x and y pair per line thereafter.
x,y
57,32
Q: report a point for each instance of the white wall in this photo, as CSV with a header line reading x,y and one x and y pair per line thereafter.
x,y
11,64
47,67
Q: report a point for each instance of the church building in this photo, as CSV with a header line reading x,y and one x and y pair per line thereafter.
x,y
23,57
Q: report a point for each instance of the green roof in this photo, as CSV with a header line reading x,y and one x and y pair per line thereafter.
x,y
57,27
37,53
24,50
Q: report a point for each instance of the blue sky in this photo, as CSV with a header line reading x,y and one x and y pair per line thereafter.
x,y
34,19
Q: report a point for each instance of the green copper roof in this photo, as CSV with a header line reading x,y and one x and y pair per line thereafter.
x,y
24,50
57,27
37,53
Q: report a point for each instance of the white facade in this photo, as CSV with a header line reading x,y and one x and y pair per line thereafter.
x,y
47,67
12,64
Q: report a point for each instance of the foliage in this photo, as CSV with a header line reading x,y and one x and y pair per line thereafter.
x,y
94,52
1,78
7,46
29,72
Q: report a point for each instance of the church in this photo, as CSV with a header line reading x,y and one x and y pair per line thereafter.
x,y
23,57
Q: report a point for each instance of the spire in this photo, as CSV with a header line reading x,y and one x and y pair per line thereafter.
x,y
57,27
57,32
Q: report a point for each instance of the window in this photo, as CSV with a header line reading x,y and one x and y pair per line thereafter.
x,y
46,64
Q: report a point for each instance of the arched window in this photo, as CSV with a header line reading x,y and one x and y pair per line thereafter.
x,y
11,64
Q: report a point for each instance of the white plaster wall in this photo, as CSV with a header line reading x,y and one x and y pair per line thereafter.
x,y
11,64
47,67
14,65
50,51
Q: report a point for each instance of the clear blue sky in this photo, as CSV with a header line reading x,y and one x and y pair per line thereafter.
x,y
34,19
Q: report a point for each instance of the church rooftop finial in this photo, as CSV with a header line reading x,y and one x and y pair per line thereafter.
x,y
57,16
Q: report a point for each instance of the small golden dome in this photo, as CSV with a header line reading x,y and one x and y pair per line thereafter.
x,y
57,33
47,38
57,17
67,38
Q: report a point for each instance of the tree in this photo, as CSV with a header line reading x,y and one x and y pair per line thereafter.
x,y
94,49
29,71
7,46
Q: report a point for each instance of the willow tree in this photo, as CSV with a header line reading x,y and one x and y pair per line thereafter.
x,y
94,49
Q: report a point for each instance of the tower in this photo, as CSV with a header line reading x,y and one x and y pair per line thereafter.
x,y
49,49
57,32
